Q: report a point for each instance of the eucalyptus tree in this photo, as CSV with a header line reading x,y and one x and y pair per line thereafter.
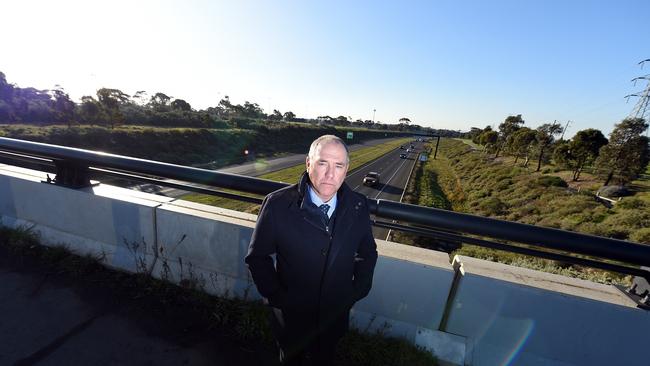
x,y
626,154
544,137
581,150
509,126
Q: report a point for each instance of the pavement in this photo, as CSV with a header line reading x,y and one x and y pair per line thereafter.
x,y
50,317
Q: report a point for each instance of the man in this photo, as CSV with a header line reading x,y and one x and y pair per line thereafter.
x,y
319,233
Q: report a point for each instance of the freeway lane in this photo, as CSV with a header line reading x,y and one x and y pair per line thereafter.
x,y
394,174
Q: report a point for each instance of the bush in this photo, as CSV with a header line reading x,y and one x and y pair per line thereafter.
x,y
551,181
632,203
641,236
492,206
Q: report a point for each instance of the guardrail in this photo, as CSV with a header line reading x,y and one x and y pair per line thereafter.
x,y
74,168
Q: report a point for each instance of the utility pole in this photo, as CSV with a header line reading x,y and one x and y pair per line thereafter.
x,y
565,127
641,109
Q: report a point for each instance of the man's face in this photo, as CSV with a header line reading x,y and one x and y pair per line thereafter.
x,y
327,169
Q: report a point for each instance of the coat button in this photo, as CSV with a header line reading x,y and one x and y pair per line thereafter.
x,y
323,251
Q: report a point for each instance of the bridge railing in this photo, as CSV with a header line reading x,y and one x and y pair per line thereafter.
x,y
74,168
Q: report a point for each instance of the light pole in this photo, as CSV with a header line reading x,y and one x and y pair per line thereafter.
x,y
373,115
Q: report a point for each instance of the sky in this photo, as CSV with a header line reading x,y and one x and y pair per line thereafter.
x,y
442,64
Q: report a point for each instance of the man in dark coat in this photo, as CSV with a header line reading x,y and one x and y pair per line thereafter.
x,y
312,255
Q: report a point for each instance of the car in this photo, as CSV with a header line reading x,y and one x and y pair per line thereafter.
x,y
371,179
402,156
402,147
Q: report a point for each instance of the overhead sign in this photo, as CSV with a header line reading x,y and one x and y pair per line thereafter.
x,y
424,157
350,135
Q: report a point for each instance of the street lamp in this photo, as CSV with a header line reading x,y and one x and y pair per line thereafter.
x,y
373,115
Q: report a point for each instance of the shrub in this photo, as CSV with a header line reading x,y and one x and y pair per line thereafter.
x,y
492,206
632,203
641,236
551,181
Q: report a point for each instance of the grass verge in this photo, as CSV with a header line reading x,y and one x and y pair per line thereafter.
x,y
465,180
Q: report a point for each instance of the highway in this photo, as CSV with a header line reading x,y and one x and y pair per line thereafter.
x,y
394,174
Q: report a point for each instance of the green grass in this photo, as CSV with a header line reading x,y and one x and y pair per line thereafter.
x,y
188,308
358,158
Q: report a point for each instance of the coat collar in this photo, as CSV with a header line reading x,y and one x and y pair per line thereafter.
x,y
341,195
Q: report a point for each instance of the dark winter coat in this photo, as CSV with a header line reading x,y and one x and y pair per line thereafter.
x,y
321,268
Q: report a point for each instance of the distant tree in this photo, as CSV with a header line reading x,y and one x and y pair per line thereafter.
x,y
341,121
6,89
626,154
160,102
62,106
404,120
140,98
6,100
181,105
521,141
507,128
90,110
252,110
488,139
276,115
545,136
289,116
110,100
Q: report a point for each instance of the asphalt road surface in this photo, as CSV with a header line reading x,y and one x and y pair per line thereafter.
x,y
394,175
393,170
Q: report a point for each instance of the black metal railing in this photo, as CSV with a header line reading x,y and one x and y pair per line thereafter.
x,y
593,251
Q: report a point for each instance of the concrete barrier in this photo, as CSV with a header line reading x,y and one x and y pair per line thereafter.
x,y
472,313
518,316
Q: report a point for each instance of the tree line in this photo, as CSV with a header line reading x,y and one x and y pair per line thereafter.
x,y
112,107
619,159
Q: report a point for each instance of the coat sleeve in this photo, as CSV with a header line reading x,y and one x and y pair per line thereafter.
x,y
260,261
364,262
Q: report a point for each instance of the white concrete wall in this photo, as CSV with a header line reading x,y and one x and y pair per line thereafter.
x,y
500,315
517,316
199,245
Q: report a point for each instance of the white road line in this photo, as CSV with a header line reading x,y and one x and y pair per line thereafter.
x,y
385,184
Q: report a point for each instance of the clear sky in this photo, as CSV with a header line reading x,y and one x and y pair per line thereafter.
x,y
443,64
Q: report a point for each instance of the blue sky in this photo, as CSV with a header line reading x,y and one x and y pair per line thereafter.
x,y
443,64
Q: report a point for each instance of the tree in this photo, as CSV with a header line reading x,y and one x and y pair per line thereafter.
x,y
110,100
544,136
582,149
289,116
62,105
140,98
90,109
488,139
404,120
276,115
181,105
521,141
159,102
252,110
507,128
626,154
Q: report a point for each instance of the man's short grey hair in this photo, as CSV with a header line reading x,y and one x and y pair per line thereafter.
x,y
326,139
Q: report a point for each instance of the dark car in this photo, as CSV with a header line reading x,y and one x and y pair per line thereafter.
x,y
402,147
402,156
371,179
